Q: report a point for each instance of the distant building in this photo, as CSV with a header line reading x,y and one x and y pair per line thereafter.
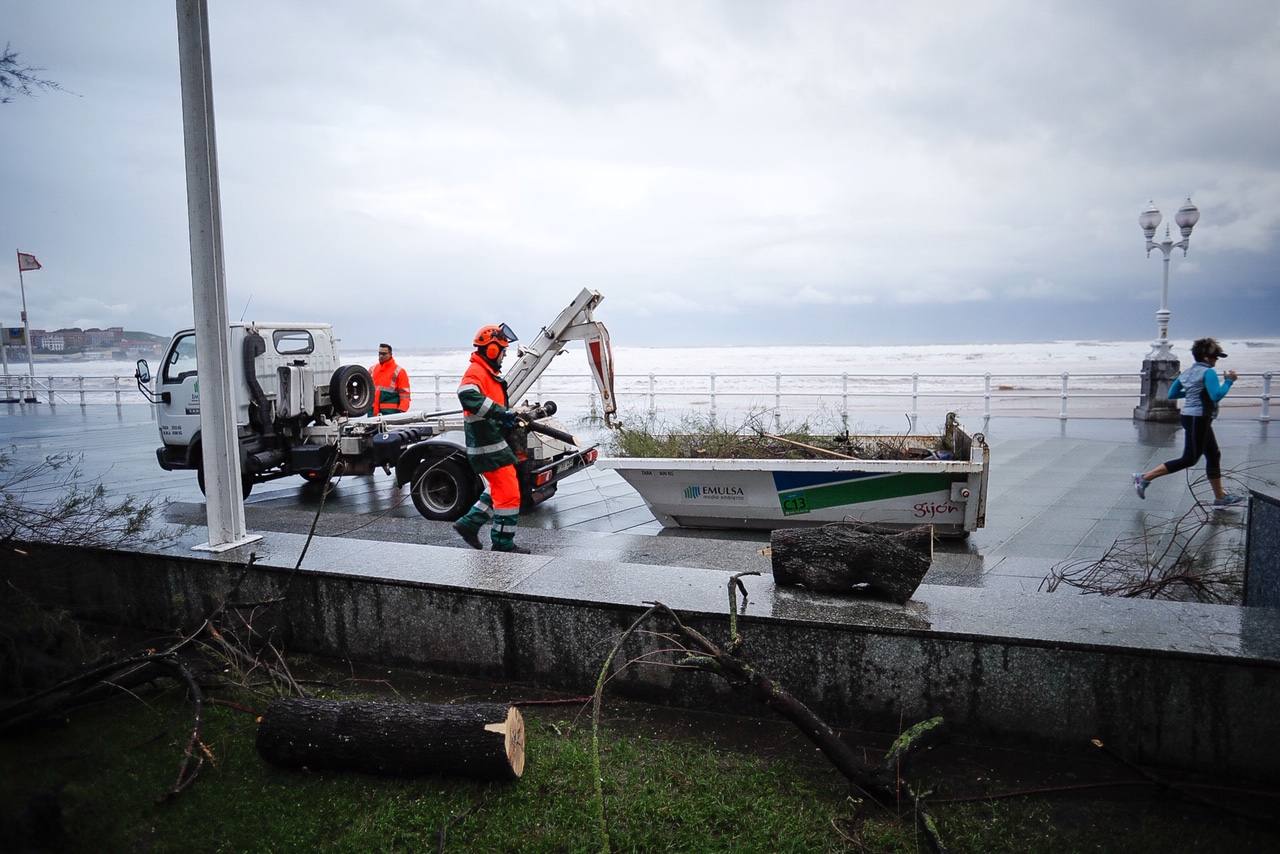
x,y
73,338
103,338
54,343
140,347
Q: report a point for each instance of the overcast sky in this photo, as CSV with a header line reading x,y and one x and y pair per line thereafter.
x,y
724,172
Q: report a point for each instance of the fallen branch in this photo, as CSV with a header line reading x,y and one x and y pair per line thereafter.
x,y
195,751
882,786
227,637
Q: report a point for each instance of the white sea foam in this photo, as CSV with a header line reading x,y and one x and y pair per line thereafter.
x,y
812,377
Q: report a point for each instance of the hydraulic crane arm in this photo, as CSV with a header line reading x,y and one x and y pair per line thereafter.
x,y
574,323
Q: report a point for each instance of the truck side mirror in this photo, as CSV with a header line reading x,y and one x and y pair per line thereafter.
x,y
143,372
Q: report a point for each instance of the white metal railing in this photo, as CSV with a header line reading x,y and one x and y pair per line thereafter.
x,y
775,392
82,390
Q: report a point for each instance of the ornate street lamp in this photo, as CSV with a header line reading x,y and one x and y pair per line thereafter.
x,y
1186,218
1160,366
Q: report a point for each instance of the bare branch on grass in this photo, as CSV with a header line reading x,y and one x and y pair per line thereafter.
x,y
227,642
695,650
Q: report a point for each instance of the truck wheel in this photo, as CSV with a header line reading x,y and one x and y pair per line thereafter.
x,y
246,482
443,489
351,390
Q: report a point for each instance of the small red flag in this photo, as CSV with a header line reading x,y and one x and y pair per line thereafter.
x,y
27,262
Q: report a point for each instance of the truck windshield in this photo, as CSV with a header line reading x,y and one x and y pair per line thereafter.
x,y
181,361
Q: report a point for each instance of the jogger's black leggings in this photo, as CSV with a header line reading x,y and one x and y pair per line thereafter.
x,y
1199,441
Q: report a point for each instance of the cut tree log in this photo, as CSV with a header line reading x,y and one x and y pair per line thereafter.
x,y
847,558
480,740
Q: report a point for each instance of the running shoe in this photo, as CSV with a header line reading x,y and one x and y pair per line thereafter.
x,y
1140,485
1228,500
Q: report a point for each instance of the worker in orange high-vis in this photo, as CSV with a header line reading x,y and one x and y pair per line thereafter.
x,y
483,395
390,384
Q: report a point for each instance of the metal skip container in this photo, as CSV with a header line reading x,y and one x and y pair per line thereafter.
x,y
949,494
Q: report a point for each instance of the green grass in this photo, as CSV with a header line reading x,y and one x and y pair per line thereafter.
x,y
115,760
693,791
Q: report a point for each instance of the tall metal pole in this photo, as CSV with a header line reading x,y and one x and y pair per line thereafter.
x,y
26,326
1160,348
1163,315
224,503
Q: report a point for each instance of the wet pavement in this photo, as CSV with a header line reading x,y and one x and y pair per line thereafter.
x,y
1059,492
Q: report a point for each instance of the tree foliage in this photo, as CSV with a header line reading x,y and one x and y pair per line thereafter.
x,y
50,501
17,78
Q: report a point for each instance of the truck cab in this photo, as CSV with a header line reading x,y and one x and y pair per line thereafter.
x,y
274,370
309,346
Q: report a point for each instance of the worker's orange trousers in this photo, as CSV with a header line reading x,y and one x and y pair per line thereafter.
x,y
500,502
504,487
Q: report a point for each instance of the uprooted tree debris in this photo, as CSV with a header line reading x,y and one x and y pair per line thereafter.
x,y
842,557
1197,556
229,647
699,437
882,785
50,501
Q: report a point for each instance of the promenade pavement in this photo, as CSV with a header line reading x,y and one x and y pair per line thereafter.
x,y
1059,493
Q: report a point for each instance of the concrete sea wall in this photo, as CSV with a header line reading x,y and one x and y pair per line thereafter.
x,y
1184,685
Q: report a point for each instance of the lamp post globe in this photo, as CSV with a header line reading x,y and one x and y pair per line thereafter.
x,y
1187,217
1149,220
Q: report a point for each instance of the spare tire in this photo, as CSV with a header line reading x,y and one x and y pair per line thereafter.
x,y
351,390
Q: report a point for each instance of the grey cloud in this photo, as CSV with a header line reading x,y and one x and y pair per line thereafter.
x,y
757,160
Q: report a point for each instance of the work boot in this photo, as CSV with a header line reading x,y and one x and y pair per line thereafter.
x,y
514,550
471,537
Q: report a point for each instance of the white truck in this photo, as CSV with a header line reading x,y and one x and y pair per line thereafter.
x,y
299,412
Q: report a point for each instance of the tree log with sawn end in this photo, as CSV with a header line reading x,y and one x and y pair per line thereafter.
x,y
841,557
484,741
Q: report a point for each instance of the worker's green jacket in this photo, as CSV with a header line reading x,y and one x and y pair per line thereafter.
x,y
483,395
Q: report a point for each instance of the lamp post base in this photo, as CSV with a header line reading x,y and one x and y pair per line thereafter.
x,y
1155,405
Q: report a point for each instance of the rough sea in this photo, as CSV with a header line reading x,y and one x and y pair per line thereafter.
x,y
1024,378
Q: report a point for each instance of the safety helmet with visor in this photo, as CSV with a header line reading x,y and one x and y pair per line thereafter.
x,y
493,339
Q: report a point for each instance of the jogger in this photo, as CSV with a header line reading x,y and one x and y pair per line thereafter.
x,y
1200,387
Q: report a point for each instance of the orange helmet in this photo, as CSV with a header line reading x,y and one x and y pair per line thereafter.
x,y
493,339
